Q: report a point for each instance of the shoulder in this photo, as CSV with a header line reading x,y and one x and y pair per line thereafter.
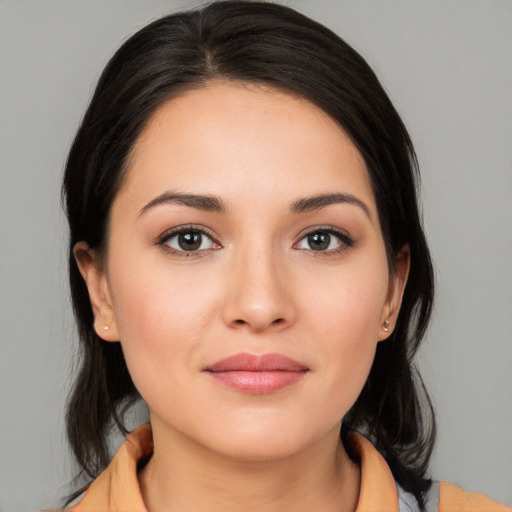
x,y
117,489
454,499
446,497
379,490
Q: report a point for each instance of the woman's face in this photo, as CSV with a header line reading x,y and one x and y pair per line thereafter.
x,y
246,274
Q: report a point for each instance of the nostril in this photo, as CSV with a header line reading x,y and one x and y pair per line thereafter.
x,y
277,321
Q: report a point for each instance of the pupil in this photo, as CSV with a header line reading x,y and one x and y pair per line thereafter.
x,y
319,241
189,241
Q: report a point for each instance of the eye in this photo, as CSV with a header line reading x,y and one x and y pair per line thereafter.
x,y
186,240
325,240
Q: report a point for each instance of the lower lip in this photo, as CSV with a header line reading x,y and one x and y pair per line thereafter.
x,y
258,382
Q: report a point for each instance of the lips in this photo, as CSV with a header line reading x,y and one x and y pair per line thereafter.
x,y
257,374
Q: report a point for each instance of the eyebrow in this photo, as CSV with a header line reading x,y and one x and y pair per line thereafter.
x,y
215,204
199,202
320,201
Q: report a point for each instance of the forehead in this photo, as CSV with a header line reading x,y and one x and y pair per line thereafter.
x,y
230,138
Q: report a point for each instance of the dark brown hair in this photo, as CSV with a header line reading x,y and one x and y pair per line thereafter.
x,y
264,43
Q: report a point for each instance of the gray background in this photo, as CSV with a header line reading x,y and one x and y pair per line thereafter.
x,y
447,65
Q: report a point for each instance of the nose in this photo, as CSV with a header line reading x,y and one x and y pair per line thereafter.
x,y
258,297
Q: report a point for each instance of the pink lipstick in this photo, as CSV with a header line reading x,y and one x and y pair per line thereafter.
x,y
257,375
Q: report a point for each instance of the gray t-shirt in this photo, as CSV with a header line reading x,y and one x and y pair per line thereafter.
x,y
407,502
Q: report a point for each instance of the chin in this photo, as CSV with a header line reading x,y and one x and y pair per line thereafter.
x,y
263,441
266,448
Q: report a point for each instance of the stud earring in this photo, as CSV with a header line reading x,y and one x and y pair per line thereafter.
x,y
385,326
106,327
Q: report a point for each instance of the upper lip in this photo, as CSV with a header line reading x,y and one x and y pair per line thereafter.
x,y
257,363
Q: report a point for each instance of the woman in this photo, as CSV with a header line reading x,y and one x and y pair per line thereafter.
x,y
246,255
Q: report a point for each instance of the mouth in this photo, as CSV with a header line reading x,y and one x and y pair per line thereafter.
x,y
257,375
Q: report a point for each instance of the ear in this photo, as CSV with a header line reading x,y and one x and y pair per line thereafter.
x,y
397,282
93,273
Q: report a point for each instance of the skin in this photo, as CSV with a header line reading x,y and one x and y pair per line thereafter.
x,y
256,286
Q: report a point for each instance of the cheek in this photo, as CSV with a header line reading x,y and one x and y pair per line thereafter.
x,y
348,303
346,315
162,317
153,297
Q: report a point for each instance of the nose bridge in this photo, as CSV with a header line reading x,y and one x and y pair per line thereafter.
x,y
257,295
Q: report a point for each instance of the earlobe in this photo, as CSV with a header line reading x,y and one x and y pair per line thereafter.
x,y
397,283
95,278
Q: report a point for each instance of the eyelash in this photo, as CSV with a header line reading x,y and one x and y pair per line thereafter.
x,y
343,237
346,241
168,235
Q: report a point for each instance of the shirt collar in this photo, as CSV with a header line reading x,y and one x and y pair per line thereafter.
x,y
117,488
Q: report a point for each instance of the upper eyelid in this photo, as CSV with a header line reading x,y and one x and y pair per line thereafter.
x,y
169,233
345,239
328,229
166,235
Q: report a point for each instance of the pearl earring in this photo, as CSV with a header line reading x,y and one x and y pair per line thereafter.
x,y
106,327
385,326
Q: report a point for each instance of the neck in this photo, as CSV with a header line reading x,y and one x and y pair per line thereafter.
x,y
183,475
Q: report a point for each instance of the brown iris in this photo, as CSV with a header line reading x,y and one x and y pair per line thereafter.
x,y
190,241
319,241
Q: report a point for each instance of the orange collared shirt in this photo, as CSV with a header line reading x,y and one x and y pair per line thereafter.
x,y
117,488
